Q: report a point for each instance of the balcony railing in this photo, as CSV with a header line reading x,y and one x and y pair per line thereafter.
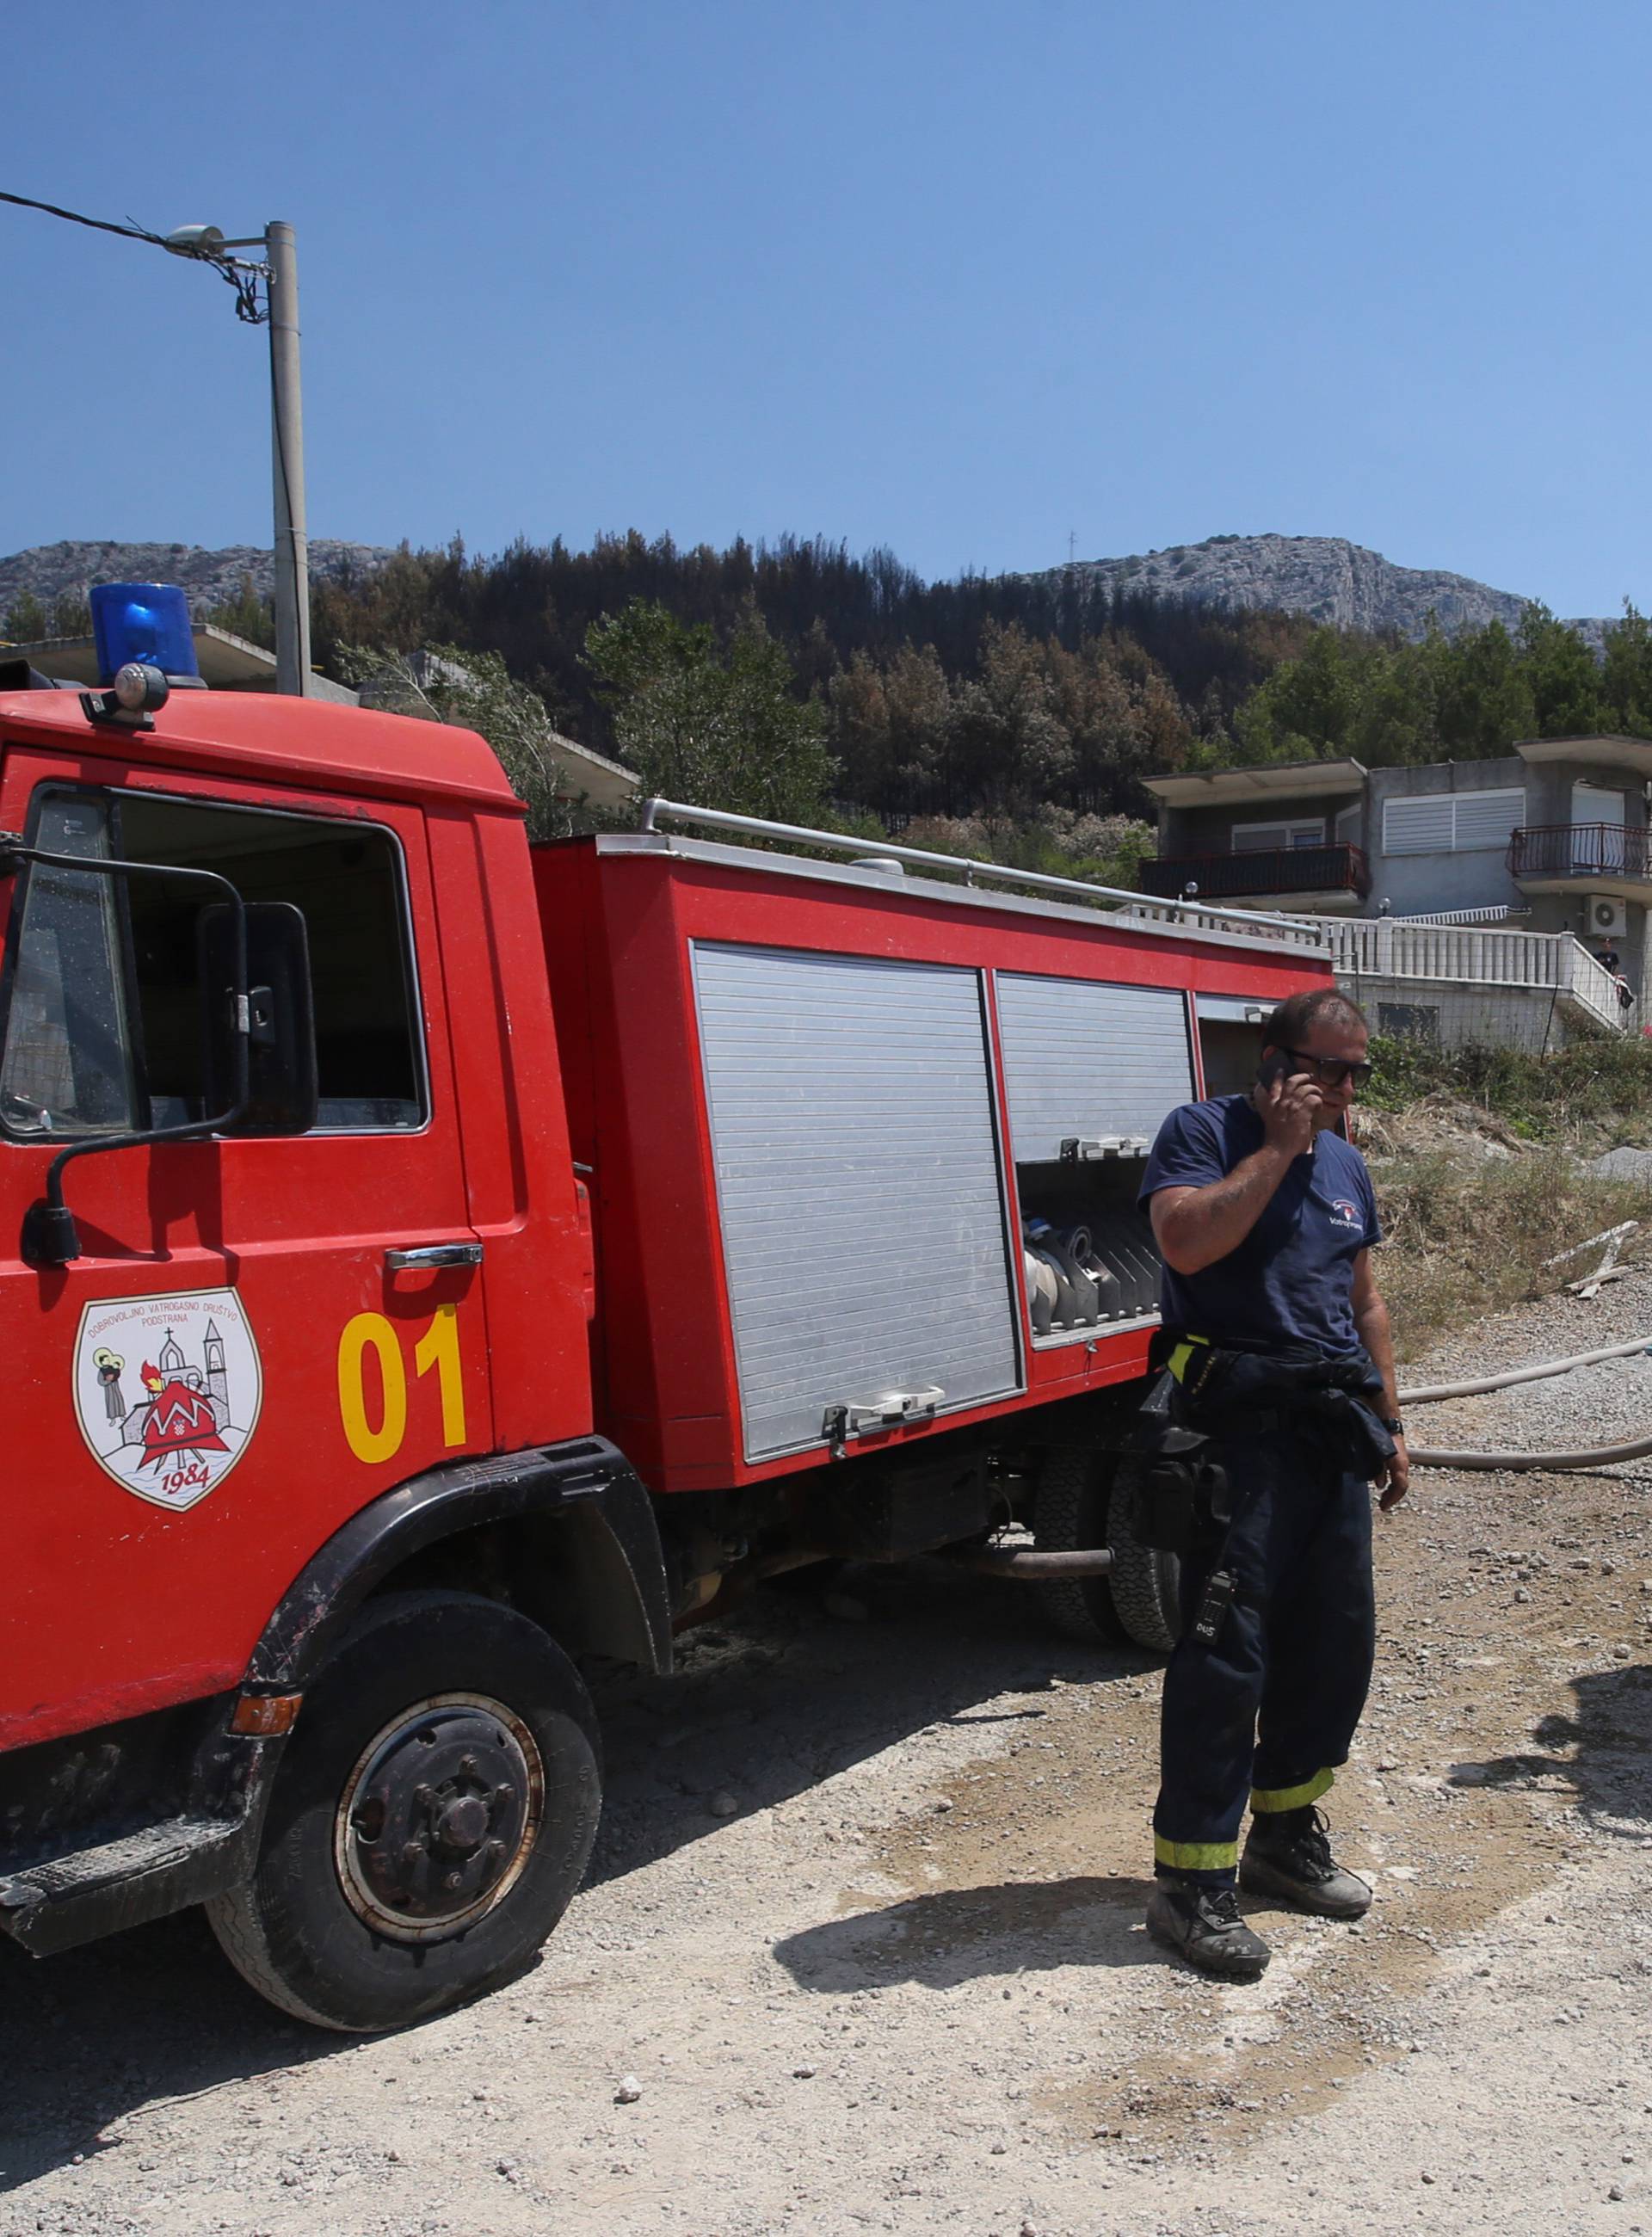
x,y
1468,956
1335,869
1579,851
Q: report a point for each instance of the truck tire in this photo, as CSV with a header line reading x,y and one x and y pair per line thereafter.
x,y
1146,1583
1070,1516
430,1821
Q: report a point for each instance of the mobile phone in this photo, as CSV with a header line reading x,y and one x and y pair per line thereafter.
x,y
1274,1065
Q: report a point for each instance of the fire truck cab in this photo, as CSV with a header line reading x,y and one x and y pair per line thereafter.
x,y
429,1261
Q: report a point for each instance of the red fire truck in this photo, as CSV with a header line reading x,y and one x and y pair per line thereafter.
x,y
430,1261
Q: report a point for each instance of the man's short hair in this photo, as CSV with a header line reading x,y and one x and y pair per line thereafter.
x,y
1298,1015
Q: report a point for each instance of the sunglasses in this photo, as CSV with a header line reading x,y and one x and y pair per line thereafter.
x,y
1330,1070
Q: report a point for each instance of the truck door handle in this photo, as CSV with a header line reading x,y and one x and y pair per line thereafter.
x,y
854,1418
433,1254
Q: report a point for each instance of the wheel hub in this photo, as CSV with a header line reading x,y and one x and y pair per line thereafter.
x,y
438,1817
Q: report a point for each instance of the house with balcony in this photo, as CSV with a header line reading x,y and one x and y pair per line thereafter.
x,y
1504,899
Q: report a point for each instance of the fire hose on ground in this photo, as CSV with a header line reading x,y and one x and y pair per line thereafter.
x,y
1557,1462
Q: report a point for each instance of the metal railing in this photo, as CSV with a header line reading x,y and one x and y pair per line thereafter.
x,y
1301,931
1339,869
1579,851
1464,955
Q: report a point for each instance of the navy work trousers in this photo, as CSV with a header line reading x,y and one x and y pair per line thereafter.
x,y
1267,1712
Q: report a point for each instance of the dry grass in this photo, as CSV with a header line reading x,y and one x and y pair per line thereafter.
x,y
1591,1095
1468,1235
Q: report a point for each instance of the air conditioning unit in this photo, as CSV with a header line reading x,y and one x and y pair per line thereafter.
x,y
1608,918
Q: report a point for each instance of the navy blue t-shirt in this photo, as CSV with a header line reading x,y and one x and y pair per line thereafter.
x,y
1290,1281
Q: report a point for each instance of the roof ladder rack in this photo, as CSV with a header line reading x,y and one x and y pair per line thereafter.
x,y
718,819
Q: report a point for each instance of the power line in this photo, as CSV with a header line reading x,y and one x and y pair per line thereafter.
x,y
98,224
243,278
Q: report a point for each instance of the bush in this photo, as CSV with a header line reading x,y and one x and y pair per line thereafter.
x,y
1464,1238
1575,1095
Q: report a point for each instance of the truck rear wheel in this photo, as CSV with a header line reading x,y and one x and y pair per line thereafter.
x,y
430,1820
1086,1498
1075,1495
1146,1583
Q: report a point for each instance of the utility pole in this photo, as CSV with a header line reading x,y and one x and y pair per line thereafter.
x,y
205,244
286,424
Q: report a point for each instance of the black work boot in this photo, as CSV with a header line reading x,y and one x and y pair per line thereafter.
x,y
1287,1857
1204,1924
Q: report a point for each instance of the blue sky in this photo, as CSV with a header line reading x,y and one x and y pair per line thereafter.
x,y
960,279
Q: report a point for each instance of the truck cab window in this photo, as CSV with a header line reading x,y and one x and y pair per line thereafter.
x,y
346,880
67,1066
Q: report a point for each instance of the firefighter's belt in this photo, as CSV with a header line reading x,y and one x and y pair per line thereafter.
x,y
1223,1389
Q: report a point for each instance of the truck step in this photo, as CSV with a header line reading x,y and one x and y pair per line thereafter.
x,y
143,1875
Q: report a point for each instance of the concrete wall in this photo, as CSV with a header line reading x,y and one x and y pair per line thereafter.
x,y
1476,879
1502,1016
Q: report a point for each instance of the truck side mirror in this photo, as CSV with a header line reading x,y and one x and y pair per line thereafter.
x,y
281,1081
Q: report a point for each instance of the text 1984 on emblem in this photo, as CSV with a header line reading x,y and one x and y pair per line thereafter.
x,y
168,1390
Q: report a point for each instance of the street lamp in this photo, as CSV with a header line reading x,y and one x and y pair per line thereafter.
x,y
205,244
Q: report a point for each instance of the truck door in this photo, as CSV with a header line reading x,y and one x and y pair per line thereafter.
x,y
259,1335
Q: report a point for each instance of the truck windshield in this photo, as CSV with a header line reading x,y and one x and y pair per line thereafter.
x,y
67,1063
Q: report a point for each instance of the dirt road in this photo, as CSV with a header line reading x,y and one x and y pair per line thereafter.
x,y
863,1929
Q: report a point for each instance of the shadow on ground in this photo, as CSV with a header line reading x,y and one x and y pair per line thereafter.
x,y
791,1690
1603,1755
800,1691
968,1934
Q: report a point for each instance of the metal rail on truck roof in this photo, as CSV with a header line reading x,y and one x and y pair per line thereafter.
x,y
1305,931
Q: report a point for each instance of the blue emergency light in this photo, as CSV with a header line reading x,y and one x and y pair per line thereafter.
x,y
146,622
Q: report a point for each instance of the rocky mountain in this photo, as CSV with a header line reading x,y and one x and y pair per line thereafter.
x,y
1322,576
209,578
1325,577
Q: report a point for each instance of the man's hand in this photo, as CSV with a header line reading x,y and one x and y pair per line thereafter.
x,y
1394,1479
1286,1107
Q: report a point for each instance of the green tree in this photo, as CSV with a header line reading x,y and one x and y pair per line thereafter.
x,y
1010,744
1627,673
720,728
247,615
71,614
1482,700
26,622
476,691
1563,676
1307,708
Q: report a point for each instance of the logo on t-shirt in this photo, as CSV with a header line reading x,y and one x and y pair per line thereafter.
x,y
1345,1214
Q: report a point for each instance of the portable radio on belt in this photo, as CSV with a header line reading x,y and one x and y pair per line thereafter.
x,y
1219,1595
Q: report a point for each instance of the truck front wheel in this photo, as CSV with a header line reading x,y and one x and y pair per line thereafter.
x,y
430,1822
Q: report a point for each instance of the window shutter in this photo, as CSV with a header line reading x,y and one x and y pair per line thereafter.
x,y
1419,826
1485,819
1451,822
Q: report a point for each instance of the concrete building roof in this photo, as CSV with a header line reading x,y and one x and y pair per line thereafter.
x,y
1610,752
1268,781
604,783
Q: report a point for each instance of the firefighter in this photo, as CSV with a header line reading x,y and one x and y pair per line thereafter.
x,y
1281,1382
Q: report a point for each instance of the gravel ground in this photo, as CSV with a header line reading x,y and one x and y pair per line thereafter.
x,y
862,1944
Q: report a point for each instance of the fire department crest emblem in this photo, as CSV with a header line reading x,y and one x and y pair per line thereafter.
x,y
167,1391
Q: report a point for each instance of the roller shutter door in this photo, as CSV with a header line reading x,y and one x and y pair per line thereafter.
x,y
858,1184
1089,1061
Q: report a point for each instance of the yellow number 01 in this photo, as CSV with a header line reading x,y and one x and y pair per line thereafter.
x,y
437,1348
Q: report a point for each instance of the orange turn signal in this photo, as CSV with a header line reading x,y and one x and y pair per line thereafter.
x,y
263,1714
